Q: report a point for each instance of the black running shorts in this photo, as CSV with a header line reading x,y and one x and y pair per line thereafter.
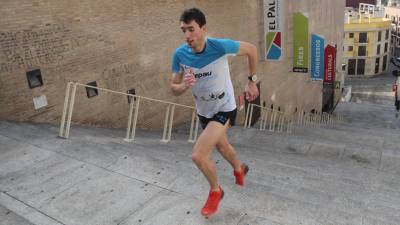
x,y
220,117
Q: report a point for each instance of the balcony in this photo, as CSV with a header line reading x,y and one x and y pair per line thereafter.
x,y
357,54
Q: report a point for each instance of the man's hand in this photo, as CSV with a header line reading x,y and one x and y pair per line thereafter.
x,y
189,79
180,82
250,51
251,91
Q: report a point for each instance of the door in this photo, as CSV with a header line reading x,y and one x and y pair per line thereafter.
x,y
351,67
377,65
360,66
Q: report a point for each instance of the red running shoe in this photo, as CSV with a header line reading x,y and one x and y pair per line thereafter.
x,y
211,206
240,174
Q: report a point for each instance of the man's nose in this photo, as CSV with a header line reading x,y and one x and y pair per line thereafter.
x,y
187,34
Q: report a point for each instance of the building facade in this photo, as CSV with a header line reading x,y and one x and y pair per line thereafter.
x,y
355,3
366,45
127,46
392,2
393,14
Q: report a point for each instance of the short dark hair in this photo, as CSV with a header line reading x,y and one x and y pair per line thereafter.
x,y
193,14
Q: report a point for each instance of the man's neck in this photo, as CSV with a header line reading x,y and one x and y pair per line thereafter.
x,y
201,47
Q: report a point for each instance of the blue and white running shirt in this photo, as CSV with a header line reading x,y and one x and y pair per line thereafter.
x,y
213,90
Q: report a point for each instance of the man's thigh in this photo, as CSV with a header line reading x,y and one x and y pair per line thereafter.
x,y
208,139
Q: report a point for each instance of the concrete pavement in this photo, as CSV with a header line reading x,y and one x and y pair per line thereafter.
x,y
347,174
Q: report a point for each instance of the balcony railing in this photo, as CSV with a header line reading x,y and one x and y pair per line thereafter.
x,y
361,42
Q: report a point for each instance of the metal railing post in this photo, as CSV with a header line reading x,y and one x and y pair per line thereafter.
x,y
301,118
280,123
129,127
196,128
251,115
71,108
247,115
272,128
290,127
65,109
265,119
171,119
262,117
191,139
135,117
164,137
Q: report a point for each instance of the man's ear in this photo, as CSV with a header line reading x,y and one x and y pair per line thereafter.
x,y
204,27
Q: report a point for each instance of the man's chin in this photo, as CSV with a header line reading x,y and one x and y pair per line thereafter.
x,y
190,44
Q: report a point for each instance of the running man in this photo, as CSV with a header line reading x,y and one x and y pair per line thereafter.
x,y
202,65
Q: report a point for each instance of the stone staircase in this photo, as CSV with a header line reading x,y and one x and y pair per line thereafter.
x,y
345,174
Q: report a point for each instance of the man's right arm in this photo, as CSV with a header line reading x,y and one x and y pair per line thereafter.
x,y
177,84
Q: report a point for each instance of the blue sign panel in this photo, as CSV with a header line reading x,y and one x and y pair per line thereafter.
x,y
317,57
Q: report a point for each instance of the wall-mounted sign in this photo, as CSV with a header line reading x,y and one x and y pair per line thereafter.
x,y
40,102
300,43
329,68
337,84
273,27
317,57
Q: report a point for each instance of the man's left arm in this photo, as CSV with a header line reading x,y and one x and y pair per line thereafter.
x,y
250,51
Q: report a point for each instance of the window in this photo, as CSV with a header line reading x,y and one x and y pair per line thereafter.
x,y
387,35
384,63
132,92
351,35
386,47
379,36
362,50
350,48
362,38
34,78
378,49
92,92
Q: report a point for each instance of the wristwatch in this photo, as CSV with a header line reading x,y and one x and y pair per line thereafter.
x,y
253,78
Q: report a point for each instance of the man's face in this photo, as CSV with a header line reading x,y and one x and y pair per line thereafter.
x,y
194,34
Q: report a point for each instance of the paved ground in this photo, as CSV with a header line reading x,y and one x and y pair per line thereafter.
x,y
347,174
374,89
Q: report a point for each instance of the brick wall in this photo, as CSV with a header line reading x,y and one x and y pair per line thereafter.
x,y
125,44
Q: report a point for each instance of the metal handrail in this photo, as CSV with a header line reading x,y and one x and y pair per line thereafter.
x,y
69,102
277,122
278,119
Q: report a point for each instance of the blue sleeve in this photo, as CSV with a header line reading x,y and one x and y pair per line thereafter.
x,y
230,46
176,68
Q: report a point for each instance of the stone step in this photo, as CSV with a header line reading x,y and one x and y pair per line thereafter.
x,y
295,187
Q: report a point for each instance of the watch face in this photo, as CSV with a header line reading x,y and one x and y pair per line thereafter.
x,y
254,78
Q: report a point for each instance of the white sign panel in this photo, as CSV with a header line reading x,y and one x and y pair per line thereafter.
x,y
273,27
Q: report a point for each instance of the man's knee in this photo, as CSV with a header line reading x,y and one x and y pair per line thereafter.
x,y
197,158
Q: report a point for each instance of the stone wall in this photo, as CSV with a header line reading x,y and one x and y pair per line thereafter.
x,y
125,44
